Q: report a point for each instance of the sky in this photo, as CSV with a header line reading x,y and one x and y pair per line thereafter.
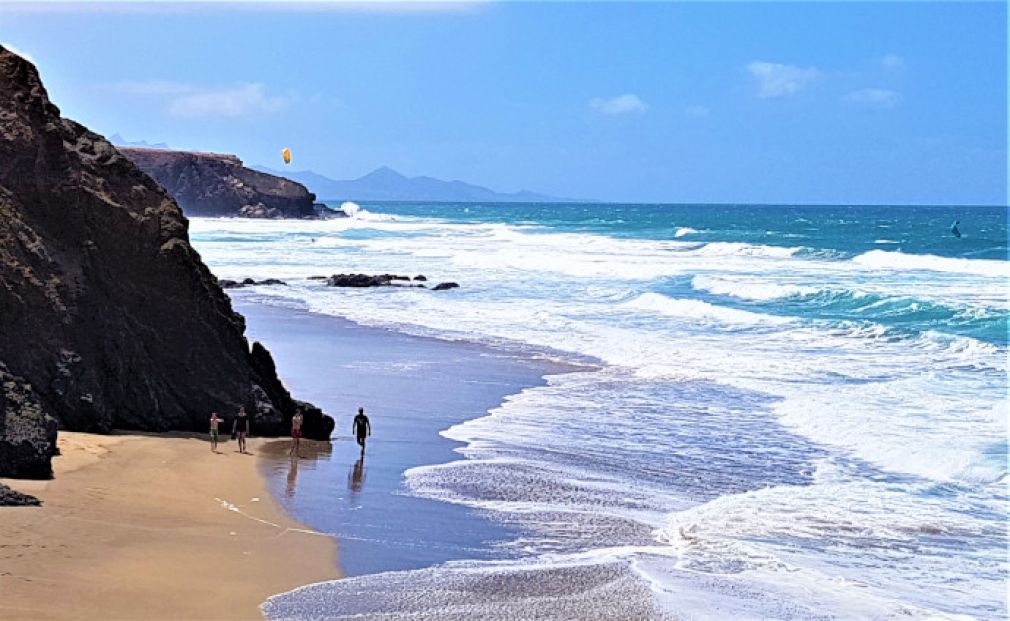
x,y
773,102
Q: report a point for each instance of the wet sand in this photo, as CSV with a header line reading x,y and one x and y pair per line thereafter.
x,y
154,527
412,388
408,557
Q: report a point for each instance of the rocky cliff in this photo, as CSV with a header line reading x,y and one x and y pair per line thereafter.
x,y
213,184
106,311
27,432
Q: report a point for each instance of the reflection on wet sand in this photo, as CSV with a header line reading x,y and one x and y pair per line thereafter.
x,y
292,484
356,478
281,461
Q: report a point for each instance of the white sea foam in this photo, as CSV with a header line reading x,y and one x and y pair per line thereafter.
x,y
683,231
749,288
901,261
768,534
697,309
608,451
657,336
748,250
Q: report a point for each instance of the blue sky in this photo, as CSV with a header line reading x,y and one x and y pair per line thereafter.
x,y
689,102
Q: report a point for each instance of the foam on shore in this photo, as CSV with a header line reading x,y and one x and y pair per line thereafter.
x,y
785,422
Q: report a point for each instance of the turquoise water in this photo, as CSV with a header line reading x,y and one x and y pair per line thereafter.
x,y
792,411
835,232
846,230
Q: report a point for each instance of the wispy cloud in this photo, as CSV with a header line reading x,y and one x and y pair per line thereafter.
x,y
622,104
190,101
874,98
780,80
697,111
248,100
892,62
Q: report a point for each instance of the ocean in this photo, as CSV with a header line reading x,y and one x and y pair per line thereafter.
x,y
778,411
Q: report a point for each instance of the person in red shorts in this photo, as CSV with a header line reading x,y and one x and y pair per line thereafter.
x,y
296,434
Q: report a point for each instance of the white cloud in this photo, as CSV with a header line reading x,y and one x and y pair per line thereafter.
x,y
697,111
874,98
779,80
189,101
622,104
241,101
892,62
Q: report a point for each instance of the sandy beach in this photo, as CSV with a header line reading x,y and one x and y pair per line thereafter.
x,y
153,527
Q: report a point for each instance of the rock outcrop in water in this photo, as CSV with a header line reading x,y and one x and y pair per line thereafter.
x,y
106,310
380,280
365,280
248,282
214,184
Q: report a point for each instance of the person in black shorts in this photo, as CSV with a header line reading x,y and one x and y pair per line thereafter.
x,y
240,429
362,428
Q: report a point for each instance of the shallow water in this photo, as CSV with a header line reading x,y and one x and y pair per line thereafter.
x,y
412,388
797,411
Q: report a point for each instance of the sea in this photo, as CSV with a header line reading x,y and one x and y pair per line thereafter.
x,y
773,411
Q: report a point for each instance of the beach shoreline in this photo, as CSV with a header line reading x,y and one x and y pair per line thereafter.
x,y
413,388
157,527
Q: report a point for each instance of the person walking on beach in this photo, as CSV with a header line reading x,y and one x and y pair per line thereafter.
x,y
240,428
362,428
296,434
215,421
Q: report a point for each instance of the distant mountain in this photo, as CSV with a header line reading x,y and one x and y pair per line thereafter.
x,y
119,141
385,184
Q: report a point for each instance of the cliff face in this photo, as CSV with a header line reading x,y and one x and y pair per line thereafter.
x,y
106,311
212,184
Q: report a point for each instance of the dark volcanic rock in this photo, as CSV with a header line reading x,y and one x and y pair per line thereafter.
x,y
215,184
27,433
324,212
381,280
358,280
13,498
315,424
105,308
232,284
420,277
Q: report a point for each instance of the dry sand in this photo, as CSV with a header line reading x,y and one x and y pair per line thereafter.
x,y
152,527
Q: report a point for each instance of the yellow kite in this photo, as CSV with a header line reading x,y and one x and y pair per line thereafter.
x,y
286,154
